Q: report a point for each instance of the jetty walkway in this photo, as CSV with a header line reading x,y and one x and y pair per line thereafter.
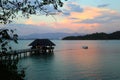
x,y
17,54
39,46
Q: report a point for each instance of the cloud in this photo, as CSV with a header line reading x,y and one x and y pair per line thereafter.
x,y
72,7
31,22
74,18
103,5
106,17
85,19
89,13
66,13
92,19
75,7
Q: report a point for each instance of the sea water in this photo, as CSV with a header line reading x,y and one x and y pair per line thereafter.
x,y
101,61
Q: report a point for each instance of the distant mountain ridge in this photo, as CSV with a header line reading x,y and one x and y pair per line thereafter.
x,y
48,35
96,36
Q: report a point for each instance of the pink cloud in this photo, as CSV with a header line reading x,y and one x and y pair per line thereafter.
x,y
75,20
90,13
31,22
75,27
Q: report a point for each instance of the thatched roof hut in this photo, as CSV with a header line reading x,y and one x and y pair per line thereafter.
x,y
42,42
43,45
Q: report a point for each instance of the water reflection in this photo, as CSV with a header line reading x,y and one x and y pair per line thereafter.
x,y
87,64
80,61
36,66
71,62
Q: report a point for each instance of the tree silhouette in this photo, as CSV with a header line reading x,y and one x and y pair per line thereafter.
x,y
10,9
6,36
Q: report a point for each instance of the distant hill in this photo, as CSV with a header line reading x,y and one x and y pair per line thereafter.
x,y
96,36
48,35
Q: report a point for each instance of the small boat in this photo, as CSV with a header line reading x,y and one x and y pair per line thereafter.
x,y
85,47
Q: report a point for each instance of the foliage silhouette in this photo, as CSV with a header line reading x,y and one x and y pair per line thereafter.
x,y
8,68
10,9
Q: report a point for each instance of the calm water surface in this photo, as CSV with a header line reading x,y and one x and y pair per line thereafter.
x,y
101,61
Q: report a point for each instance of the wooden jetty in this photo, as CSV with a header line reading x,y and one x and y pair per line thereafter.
x,y
39,46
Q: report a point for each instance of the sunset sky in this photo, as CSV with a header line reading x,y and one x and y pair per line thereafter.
x,y
78,16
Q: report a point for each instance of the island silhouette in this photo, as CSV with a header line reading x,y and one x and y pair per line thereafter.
x,y
96,36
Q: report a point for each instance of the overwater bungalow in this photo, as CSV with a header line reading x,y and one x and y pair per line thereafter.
x,y
42,45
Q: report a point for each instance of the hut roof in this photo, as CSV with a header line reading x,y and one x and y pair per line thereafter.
x,y
42,42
